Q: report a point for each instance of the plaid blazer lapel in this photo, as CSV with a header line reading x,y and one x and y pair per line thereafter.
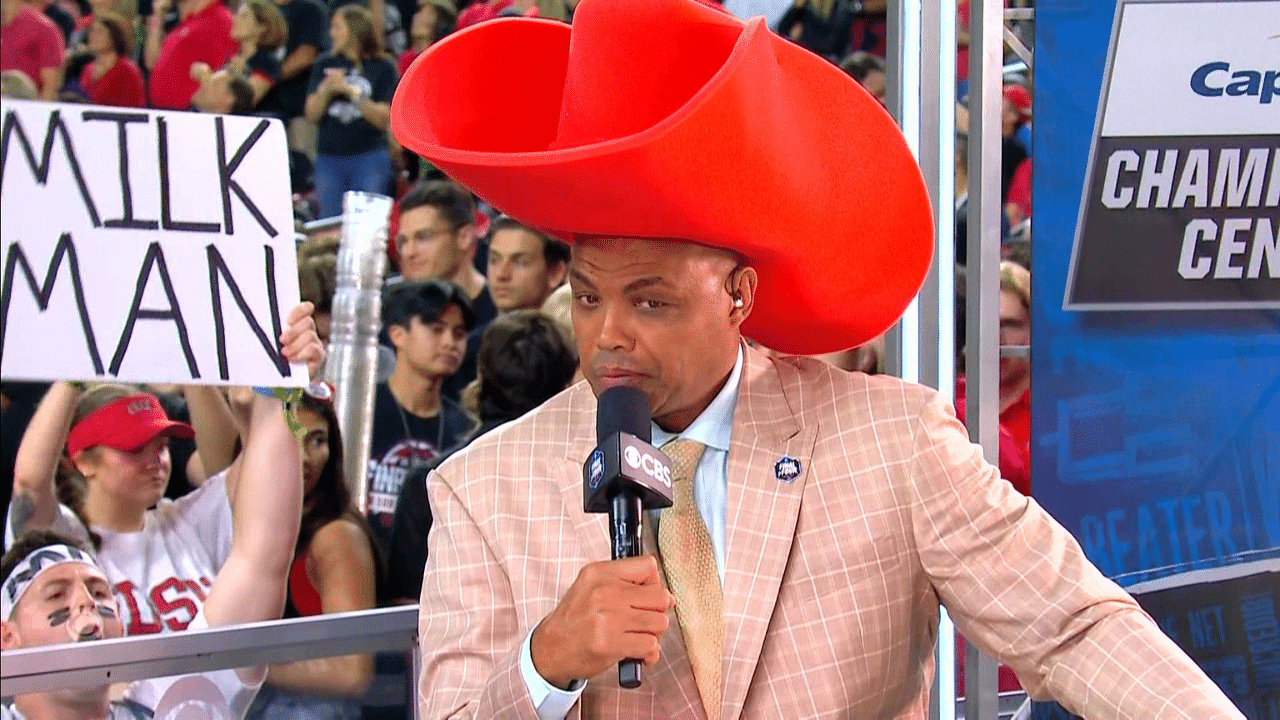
x,y
769,460
593,529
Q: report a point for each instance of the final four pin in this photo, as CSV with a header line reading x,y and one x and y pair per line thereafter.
x,y
787,469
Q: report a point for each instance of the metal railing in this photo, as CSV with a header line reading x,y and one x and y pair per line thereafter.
x,y
45,669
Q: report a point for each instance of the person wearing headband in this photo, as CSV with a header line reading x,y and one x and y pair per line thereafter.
x,y
162,555
52,591
717,181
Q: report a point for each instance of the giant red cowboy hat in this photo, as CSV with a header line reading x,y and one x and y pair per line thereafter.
x,y
672,119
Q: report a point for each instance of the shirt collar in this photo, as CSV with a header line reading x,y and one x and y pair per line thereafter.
x,y
714,426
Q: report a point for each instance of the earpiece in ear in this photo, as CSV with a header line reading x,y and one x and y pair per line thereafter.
x,y
737,301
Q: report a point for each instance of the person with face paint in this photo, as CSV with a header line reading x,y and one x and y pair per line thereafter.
x,y
162,556
52,591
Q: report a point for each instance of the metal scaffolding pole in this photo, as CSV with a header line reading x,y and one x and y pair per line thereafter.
x,y
986,49
921,95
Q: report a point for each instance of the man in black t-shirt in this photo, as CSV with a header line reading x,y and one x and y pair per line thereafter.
x,y
438,238
426,322
524,360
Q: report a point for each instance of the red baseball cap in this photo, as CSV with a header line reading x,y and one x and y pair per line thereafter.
x,y
1020,99
670,119
126,424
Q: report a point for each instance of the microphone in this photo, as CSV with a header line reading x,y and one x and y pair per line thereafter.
x,y
624,476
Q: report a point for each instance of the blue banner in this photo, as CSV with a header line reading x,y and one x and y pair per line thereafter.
x,y
1155,402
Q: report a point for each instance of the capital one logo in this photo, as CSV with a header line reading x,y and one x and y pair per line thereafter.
x,y
1214,79
647,463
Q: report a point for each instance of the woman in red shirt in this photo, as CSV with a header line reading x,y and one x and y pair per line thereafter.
x,y
113,78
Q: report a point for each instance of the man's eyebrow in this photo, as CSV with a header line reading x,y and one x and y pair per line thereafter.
x,y
646,282
56,584
576,276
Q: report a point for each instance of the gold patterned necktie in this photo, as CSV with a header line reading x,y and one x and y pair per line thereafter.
x,y
692,576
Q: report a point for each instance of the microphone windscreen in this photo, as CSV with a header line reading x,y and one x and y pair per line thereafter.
x,y
623,409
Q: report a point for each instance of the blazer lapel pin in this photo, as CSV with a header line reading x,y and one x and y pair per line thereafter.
x,y
787,469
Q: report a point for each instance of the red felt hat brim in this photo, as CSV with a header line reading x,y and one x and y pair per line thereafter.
x,y
778,156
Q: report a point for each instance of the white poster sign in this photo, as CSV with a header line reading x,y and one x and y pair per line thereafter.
x,y
141,245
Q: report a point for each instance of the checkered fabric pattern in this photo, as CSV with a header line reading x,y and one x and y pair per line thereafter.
x,y
832,580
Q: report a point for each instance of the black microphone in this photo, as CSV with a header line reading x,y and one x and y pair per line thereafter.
x,y
624,476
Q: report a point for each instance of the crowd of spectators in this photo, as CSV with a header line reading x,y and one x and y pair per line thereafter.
x,y
475,309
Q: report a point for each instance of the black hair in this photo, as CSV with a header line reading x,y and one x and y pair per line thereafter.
x,y
554,252
426,300
523,360
453,202
241,94
860,64
330,497
30,541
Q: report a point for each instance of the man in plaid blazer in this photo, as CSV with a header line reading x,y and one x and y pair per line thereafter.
x,y
688,158
831,577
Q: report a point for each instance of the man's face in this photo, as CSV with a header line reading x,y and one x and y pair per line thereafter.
x,y
656,315
432,349
68,602
429,248
1015,329
518,274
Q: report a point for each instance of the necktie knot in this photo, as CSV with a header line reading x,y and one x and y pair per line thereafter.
x,y
685,455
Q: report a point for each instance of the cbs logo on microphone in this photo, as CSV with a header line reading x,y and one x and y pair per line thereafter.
x,y
647,463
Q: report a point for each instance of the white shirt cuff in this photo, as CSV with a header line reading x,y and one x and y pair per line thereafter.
x,y
551,702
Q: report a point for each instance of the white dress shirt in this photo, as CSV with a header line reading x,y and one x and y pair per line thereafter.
x,y
712,428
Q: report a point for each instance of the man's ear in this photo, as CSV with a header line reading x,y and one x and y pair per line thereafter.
x,y
741,285
9,639
466,238
556,275
395,334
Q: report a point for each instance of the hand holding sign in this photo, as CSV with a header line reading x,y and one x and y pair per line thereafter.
x,y
300,343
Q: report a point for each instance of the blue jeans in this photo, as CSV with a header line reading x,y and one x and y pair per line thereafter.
x,y
335,174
